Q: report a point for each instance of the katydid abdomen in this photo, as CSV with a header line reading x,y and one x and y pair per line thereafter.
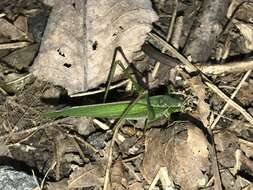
x,y
161,105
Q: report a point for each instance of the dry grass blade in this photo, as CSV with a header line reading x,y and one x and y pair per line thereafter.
x,y
232,96
192,68
166,181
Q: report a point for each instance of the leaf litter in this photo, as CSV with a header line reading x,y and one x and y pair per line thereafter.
x,y
184,147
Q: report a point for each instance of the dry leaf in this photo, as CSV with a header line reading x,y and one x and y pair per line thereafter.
x,y
182,148
244,13
243,20
22,58
60,185
80,39
136,186
11,31
21,23
247,148
4,150
117,175
87,176
247,32
226,145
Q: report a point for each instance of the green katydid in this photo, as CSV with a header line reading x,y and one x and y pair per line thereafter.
x,y
151,108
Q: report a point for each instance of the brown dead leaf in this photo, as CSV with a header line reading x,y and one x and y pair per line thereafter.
x,y
243,163
80,39
226,145
60,185
244,13
88,176
11,31
203,109
136,186
117,174
247,32
4,150
22,58
182,148
245,95
247,148
21,23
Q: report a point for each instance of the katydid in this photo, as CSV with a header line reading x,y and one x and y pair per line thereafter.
x,y
162,105
151,108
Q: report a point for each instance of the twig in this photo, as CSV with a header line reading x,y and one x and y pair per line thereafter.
x,y
2,15
14,45
232,96
172,23
176,37
77,146
231,67
36,180
87,145
131,171
215,164
167,183
229,101
192,68
101,124
19,79
44,178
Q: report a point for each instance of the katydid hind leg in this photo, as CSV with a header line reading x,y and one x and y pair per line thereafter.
x,y
125,70
110,76
151,113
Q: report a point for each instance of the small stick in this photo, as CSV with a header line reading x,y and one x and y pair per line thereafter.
x,y
232,96
231,67
45,176
231,102
177,32
14,45
166,181
78,148
2,15
215,164
101,124
87,145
